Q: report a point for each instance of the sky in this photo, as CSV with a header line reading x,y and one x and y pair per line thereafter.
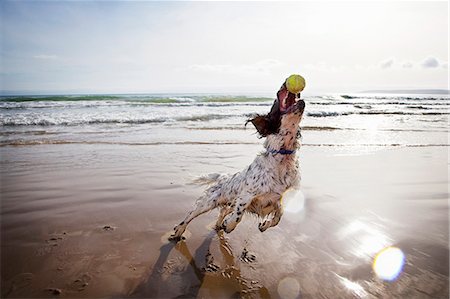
x,y
221,47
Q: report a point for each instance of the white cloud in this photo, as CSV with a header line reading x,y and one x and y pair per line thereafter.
x,y
45,57
407,65
387,63
430,62
261,67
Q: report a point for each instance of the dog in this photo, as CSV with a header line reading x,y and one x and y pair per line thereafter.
x,y
258,188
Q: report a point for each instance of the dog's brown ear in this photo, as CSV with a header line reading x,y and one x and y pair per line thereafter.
x,y
270,123
261,124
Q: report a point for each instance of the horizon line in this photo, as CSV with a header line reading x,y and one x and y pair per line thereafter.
x,y
49,93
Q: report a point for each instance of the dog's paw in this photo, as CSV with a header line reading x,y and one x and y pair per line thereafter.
x,y
228,227
264,226
175,238
230,223
223,226
218,227
178,231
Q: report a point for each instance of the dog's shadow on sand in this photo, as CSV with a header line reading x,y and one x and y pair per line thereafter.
x,y
172,279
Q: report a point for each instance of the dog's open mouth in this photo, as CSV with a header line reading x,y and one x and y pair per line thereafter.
x,y
291,103
288,100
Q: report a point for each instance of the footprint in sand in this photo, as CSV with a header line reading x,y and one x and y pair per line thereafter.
x,y
16,284
50,243
108,228
81,283
54,240
54,291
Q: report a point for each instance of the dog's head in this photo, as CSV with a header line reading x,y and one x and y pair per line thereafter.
x,y
287,108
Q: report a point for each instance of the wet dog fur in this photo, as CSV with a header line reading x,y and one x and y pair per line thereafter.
x,y
258,188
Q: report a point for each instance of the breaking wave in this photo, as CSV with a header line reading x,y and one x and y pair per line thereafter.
x,y
137,98
195,109
49,121
334,113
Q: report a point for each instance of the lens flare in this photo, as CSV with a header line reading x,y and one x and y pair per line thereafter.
x,y
293,201
388,263
288,288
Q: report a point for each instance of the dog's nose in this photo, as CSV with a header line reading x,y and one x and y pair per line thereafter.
x,y
301,105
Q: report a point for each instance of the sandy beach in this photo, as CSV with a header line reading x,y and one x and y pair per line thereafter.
x,y
92,220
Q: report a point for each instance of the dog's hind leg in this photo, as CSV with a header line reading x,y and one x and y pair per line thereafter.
x,y
241,204
202,205
223,212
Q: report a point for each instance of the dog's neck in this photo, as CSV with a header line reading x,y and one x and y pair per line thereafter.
x,y
278,142
286,138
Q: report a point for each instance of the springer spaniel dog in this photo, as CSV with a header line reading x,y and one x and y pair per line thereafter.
x,y
258,188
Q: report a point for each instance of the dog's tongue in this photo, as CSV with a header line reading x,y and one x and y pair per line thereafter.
x,y
285,98
287,102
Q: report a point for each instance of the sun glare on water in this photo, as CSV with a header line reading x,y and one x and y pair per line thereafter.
x,y
354,287
367,238
388,263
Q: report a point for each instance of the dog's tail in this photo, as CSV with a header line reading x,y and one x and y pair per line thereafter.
x,y
207,179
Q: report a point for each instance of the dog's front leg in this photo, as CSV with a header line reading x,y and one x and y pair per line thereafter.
x,y
241,204
223,212
274,221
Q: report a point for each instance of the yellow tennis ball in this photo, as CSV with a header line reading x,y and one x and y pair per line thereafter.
x,y
295,83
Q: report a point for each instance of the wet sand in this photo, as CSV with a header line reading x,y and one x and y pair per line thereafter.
x,y
92,220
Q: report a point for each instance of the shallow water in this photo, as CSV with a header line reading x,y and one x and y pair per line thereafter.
x,y
330,120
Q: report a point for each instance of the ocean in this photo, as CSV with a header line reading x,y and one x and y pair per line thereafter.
x,y
360,122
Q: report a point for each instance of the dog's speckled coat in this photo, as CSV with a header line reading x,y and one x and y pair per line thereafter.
x,y
259,187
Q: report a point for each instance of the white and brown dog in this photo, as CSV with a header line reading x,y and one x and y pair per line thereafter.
x,y
259,187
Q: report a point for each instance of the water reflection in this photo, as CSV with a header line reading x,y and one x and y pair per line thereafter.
x,y
354,287
171,277
368,240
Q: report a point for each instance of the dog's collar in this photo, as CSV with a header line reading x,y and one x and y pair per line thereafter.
x,y
281,152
